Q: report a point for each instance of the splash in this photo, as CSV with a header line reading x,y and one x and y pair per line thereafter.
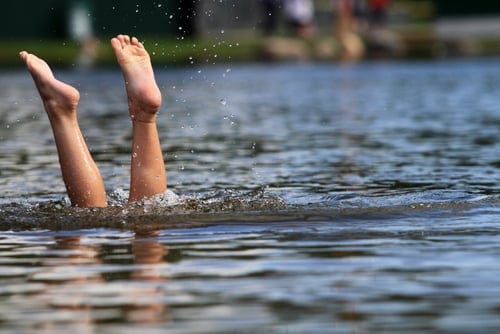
x,y
259,206
168,210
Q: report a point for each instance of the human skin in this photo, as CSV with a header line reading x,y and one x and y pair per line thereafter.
x,y
81,176
148,176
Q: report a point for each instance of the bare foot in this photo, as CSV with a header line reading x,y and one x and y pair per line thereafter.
x,y
59,99
144,96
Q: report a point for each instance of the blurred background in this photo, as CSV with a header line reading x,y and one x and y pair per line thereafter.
x,y
182,31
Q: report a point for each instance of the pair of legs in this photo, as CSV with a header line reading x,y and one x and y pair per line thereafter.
x,y
81,176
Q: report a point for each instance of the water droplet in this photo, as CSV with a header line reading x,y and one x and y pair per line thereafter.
x,y
223,102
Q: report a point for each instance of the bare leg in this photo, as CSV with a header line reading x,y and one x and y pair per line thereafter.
x,y
148,176
80,174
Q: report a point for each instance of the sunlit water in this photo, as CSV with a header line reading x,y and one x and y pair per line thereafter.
x,y
303,198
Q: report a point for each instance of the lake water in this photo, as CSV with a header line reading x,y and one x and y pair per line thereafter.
x,y
304,198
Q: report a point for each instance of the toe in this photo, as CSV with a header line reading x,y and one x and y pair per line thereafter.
x,y
116,43
126,39
136,42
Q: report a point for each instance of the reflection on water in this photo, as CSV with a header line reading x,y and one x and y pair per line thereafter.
x,y
78,279
303,198
356,274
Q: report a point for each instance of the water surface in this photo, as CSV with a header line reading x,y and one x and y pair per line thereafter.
x,y
303,198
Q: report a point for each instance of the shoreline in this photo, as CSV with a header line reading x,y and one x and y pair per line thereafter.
x,y
398,44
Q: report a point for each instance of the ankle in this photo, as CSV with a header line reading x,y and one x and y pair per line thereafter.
x,y
141,121
56,112
143,115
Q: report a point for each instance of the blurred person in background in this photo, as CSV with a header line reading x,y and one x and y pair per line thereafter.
x,y
80,30
300,16
347,30
378,12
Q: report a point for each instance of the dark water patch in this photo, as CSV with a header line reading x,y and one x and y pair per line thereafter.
x,y
495,163
486,140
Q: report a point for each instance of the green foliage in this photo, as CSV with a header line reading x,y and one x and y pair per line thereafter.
x,y
162,50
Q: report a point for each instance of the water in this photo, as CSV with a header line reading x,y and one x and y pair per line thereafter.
x,y
304,198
